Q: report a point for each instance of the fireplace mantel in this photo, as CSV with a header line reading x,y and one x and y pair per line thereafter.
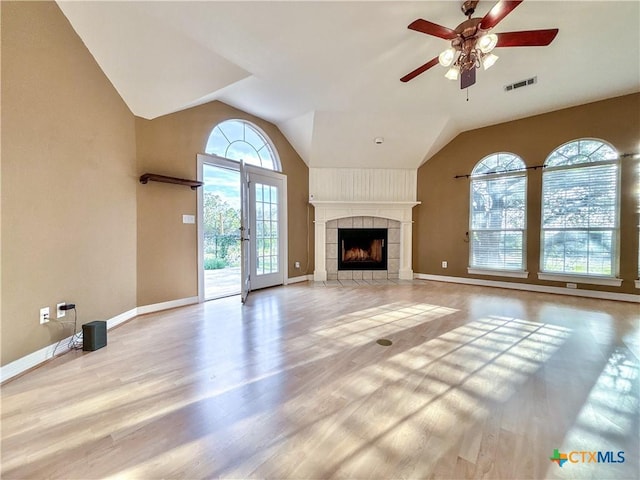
x,y
327,210
330,210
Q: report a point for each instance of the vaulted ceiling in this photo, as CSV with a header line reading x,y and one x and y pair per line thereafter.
x,y
327,73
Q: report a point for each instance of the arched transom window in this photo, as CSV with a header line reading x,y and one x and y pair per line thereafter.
x,y
498,214
240,140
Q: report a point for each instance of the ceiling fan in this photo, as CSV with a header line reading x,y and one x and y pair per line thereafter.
x,y
472,42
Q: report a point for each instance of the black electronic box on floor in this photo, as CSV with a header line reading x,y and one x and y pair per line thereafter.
x,y
94,335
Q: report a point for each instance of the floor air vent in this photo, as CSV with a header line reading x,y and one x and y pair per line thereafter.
x,y
522,83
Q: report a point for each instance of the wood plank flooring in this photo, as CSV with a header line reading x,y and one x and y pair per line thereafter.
x,y
479,383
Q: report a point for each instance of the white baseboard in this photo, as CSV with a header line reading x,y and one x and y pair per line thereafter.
x,y
157,307
301,278
625,297
123,317
34,359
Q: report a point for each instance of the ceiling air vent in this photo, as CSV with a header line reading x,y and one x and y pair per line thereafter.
x,y
520,84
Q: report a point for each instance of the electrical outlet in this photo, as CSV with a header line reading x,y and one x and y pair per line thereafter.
x,y
445,264
297,264
60,313
44,315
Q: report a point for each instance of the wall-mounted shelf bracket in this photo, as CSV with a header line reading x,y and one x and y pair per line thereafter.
x,y
164,179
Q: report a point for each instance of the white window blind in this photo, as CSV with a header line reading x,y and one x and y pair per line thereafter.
x,y
580,209
498,213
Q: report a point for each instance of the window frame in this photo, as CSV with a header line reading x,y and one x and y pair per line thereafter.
x,y
275,158
637,174
585,278
515,172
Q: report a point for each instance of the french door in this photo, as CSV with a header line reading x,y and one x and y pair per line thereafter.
x,y
263,226
267,227
245,234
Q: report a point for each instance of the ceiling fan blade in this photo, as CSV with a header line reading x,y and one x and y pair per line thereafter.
x,y
497,13
419,70
434,29
528,38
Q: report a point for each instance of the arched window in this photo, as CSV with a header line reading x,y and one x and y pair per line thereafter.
x,y
580,209
497,221
638,212
241,140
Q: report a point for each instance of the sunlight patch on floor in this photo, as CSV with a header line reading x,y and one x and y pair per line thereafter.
x,y
611,414
448,376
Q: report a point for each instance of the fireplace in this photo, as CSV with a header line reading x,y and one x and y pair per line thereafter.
x,y
332,215
362,249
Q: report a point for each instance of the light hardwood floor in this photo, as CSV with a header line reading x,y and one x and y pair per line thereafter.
x,y
479,383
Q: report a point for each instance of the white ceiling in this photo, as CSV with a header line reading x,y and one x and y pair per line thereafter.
x,y
327,73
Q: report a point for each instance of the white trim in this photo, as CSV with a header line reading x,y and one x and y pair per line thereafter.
x,y
284,220
301,278
327,210
38,357
624,297
498,273
123,317
637,283
364,202
200,161
156,307
32,360
558,277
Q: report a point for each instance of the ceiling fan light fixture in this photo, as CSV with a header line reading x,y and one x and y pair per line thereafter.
x,y
453,73
446,57
487,42
471,43
489,60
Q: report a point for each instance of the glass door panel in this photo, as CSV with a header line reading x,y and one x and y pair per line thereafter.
x,y
267,197
221,230
245,235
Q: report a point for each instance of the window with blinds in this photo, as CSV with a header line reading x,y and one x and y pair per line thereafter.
x,y
580,209
638,212
498,213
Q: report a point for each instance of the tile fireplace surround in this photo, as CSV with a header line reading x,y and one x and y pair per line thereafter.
x,y
331,215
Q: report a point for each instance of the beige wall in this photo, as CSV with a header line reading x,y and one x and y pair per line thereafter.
x,y
443,218
76,224
167,249
68,181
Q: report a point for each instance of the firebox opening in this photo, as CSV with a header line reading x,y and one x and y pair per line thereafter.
x,y
362,249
